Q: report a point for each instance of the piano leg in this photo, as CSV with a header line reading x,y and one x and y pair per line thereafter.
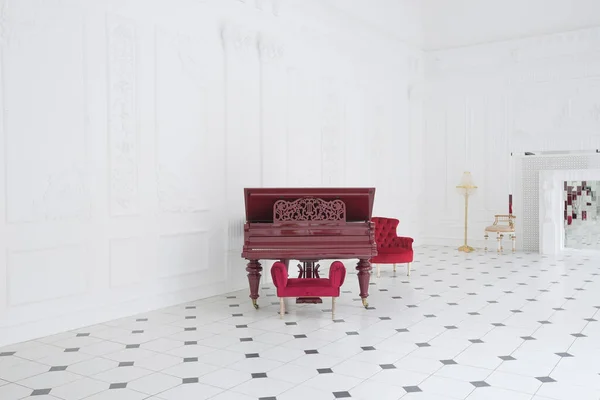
x,y
253,270
364,267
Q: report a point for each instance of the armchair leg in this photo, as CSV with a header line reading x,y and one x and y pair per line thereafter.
x,y
408,269
394,267
332,307
281,307
379,270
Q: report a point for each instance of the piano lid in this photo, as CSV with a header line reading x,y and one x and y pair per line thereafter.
x,y
259,202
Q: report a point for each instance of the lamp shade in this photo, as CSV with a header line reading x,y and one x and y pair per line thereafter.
x,y
466,186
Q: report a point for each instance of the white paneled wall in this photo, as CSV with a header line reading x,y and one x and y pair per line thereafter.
x,y
130,127
458,23
484,102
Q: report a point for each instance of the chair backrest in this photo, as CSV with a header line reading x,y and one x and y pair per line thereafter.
x,y
279,274
337,273
385,230
502,219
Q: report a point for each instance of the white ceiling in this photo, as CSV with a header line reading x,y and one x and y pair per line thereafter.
x,y
454,23
398,18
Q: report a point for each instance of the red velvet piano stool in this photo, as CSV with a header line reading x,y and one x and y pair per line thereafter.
x,y
308,287
391,248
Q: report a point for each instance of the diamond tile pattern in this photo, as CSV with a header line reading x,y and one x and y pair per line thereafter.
x,y
40,392
545,379
463,327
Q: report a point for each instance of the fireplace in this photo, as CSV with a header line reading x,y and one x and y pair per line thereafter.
x,y
551,201
537,182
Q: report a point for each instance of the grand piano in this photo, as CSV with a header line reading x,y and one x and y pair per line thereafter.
x,y
308,225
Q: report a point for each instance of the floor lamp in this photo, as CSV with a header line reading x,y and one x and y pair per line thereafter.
x,y
466,188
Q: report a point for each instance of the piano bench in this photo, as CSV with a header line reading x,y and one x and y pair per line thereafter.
x,y
308,287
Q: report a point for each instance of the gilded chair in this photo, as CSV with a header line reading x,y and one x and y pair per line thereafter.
x,y
503,225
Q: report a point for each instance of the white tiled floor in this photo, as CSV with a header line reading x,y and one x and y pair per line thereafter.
x,y
480,326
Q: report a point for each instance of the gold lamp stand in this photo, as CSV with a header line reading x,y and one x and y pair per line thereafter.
x,y
466,188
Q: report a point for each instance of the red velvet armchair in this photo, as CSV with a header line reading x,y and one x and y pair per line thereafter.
x,y
391,249
308,287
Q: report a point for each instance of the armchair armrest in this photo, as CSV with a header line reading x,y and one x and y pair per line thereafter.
x,y
279,274
337,274
403,242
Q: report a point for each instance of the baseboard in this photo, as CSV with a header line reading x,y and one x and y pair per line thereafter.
x,y
478,244
102,313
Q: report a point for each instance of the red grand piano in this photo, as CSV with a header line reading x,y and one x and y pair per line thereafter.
x,y
308,225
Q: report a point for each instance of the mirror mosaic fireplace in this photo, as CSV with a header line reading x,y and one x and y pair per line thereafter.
x,y
581,212
529,197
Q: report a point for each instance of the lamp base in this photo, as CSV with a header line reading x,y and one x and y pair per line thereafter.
x,y
466,249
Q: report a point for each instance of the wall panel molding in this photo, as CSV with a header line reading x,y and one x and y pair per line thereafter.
x,y
243,113
183,254
181,123
127,264
273,109
56,168
39,275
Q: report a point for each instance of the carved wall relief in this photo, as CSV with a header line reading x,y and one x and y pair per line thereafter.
x,y
181,125
4,29
122,116
260,4
276,7
269,50
14,26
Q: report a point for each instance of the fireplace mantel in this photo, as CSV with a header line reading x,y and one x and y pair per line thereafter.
x,y
551,205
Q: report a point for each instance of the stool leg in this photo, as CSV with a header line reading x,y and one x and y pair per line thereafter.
x,y
281,307
408,269
378,270
498,240
332,307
